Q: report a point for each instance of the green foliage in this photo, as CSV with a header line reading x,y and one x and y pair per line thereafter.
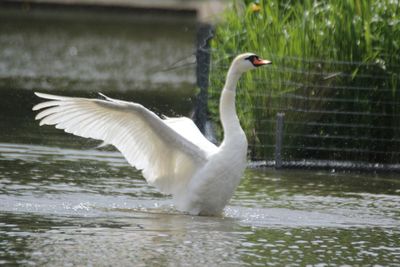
x,y
314,45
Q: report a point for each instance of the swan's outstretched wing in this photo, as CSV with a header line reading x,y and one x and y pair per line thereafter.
x,y
186,127
167,158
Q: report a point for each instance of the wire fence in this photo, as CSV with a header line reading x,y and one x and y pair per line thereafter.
x,y
334,113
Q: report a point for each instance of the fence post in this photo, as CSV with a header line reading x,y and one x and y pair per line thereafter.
x,y
279,139
204,35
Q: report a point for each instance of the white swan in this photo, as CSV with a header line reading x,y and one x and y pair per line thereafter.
x,y
172,153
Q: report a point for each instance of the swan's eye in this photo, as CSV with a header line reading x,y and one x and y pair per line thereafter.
x,y
251,58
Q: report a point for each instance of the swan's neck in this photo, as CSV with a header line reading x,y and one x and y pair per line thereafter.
x,y
232,79
227,107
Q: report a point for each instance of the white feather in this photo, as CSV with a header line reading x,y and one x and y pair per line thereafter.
x,y
146,141
172,153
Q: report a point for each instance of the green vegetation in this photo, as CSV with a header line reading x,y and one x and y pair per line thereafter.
x,y
340,56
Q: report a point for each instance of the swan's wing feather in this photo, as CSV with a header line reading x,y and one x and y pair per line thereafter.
x,y
186,127
167,158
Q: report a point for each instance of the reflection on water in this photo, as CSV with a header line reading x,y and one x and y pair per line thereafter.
x,y
68,206
84,51
64,203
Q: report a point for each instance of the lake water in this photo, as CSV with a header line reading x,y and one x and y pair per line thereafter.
x,y
67,207
64,203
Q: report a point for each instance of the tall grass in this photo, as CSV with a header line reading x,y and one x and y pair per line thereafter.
x,y
308,40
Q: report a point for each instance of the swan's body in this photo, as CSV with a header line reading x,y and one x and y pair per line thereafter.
x,y
172,153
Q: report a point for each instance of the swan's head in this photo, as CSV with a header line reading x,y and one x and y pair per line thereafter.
x,y
248,61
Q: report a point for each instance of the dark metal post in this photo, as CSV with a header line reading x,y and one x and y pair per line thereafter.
x,y
279,140
204,35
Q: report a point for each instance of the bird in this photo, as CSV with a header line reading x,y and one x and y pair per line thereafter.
x,y
172,154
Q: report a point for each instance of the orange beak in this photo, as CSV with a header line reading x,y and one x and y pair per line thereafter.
x,y
259,62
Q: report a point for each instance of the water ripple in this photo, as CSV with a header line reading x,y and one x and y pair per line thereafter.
x,y
73,206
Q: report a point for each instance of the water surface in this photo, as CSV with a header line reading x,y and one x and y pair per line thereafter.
x,y
70,206
99,51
